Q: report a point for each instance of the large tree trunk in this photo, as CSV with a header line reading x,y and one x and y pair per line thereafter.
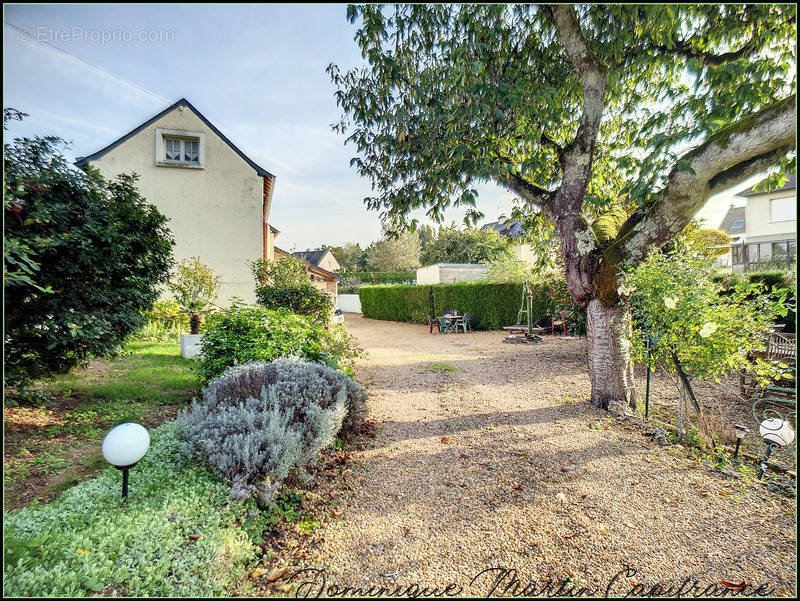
x,y
608,333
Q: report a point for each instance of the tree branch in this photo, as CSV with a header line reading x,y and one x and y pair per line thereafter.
x,y
726,158
576,159
531,193
550,142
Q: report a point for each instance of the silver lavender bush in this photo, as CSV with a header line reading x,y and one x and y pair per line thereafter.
x,y
262,422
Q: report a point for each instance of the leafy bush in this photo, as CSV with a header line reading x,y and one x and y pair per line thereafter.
x,y
772,280
165,322
85,258
195,286
284,284
88,539
692,318
261,422
491,305
470,245
353,280
304,299
245,333
396,302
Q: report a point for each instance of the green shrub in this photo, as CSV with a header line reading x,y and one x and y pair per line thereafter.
x,y
395,302
195,287
85,257
284,284
88,539
261,422
165,322
772,280
245,333
352,281
303,299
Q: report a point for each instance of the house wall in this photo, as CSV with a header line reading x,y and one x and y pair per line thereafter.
x,y
524,252
761,230
448,273
329,286
428,275
350,303
329,262
758,223
215,213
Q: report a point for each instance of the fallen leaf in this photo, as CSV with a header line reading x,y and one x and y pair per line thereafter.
x,y
601,528
446,439
194,536
276,573
734,586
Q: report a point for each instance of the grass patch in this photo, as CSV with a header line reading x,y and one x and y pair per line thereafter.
x,y
46,445
441,367
146,371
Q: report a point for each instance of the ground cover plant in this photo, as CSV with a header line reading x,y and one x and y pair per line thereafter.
x,y
176,536
52,437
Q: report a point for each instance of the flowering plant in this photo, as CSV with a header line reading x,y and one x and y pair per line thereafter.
x,y
707,328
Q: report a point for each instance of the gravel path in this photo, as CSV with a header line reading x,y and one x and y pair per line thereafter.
x,y
502,464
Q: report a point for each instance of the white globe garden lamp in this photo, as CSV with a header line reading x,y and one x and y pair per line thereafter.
x,y
123,447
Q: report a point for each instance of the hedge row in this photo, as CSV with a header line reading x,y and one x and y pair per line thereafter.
x,y
491,306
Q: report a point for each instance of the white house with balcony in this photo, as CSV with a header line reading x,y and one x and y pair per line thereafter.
x,y
764,230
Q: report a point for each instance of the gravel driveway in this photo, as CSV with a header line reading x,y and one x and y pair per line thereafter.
x,y
490,457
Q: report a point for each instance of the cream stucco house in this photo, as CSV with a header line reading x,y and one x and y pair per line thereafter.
x,y
764,230
216,198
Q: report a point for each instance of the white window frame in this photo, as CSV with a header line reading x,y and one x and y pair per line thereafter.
x,y
784,200
189,136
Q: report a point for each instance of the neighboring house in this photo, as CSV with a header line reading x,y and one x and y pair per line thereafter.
x,y
321,278
448,273
216,198
764,231
319,258
513,229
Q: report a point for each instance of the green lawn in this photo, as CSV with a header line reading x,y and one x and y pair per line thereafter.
x,y
52,447
146,371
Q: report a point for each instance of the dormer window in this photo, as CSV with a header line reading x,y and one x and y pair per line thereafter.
x,y
175,148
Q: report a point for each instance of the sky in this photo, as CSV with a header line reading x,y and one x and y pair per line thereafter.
x,y
89,74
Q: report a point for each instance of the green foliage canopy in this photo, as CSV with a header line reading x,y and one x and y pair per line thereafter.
x,y
469,245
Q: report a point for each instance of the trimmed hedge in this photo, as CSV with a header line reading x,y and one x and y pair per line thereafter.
x,y
491,305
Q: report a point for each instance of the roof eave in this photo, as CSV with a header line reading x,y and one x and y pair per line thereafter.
x,y
182,102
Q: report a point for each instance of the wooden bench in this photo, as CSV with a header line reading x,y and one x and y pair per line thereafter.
x,y
524,329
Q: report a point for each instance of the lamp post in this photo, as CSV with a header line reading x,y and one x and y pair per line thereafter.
x,y
740,433
123,447
776,433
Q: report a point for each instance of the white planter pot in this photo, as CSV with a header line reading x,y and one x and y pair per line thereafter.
x,y
190,345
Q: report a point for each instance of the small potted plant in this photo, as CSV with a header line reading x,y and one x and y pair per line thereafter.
x,y
195,287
